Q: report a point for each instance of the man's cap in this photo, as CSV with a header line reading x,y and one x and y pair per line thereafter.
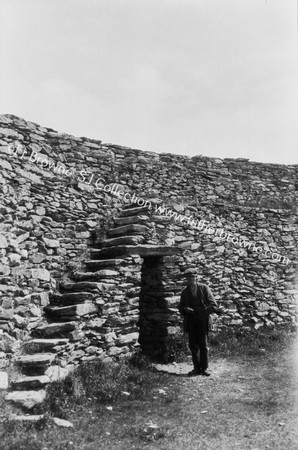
x,y
189,272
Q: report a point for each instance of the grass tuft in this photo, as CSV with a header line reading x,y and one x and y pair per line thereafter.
x,y
174,348
101,384
250,342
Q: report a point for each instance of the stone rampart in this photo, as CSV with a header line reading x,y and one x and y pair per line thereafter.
x,y
55,212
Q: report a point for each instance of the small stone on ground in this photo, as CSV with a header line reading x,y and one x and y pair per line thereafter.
x,y
62,422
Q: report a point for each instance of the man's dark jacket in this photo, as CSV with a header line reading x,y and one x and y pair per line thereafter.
x,y
203,304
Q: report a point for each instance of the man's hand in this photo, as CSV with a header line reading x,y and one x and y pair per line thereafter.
x,y
189,310
220,310
214,310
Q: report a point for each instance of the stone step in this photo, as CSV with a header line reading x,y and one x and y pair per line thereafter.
x,y
110,252
55,329
27,383
128,230
72,312
44,344
110,264
26,418
143,250
104,273
3,379
37,360
120,221
58,373
83,286
84,276
27,399
95,276
123,240
72,298
133,211
94,264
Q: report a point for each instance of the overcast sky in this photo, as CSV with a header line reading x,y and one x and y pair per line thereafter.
x,y
211,77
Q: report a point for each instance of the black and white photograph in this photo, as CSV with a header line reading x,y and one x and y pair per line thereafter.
x,y
148,224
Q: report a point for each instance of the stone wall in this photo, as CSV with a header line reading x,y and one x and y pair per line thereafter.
x,y
53,211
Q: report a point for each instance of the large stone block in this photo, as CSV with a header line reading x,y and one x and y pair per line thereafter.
x,y
128,229
27,399
72,310
40,274
134,211
120,221
35,360
51,243
128,338
55,329
123,240
3,380
71,298
3,242
86,286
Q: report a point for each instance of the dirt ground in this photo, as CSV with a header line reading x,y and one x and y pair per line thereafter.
x,y
249,402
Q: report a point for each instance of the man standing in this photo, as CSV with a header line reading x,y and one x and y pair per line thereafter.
x,y
196,303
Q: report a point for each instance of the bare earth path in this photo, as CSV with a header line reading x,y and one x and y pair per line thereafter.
x,y
244,405
249,403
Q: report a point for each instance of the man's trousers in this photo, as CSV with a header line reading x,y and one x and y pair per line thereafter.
x,y
197,338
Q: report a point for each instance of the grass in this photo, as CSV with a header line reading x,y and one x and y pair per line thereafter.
x,y
249,342
248,403
174,348
101,385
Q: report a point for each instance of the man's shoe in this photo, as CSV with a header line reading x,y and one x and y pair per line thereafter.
x,y
206,373
194,373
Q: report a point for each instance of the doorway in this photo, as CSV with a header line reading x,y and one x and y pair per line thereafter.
x,y
157,288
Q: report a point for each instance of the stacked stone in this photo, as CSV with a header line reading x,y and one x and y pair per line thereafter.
x,y
117,332
51,218
101,301
38,366
252,293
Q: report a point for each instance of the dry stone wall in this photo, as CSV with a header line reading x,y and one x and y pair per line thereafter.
x,y
54,214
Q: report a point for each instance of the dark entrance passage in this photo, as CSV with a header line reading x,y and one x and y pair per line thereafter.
x,y
157,287
153,306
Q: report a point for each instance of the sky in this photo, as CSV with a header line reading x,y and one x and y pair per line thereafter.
x,y
193,77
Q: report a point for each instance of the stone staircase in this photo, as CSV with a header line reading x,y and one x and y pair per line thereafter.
x,y
55,346
37,369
